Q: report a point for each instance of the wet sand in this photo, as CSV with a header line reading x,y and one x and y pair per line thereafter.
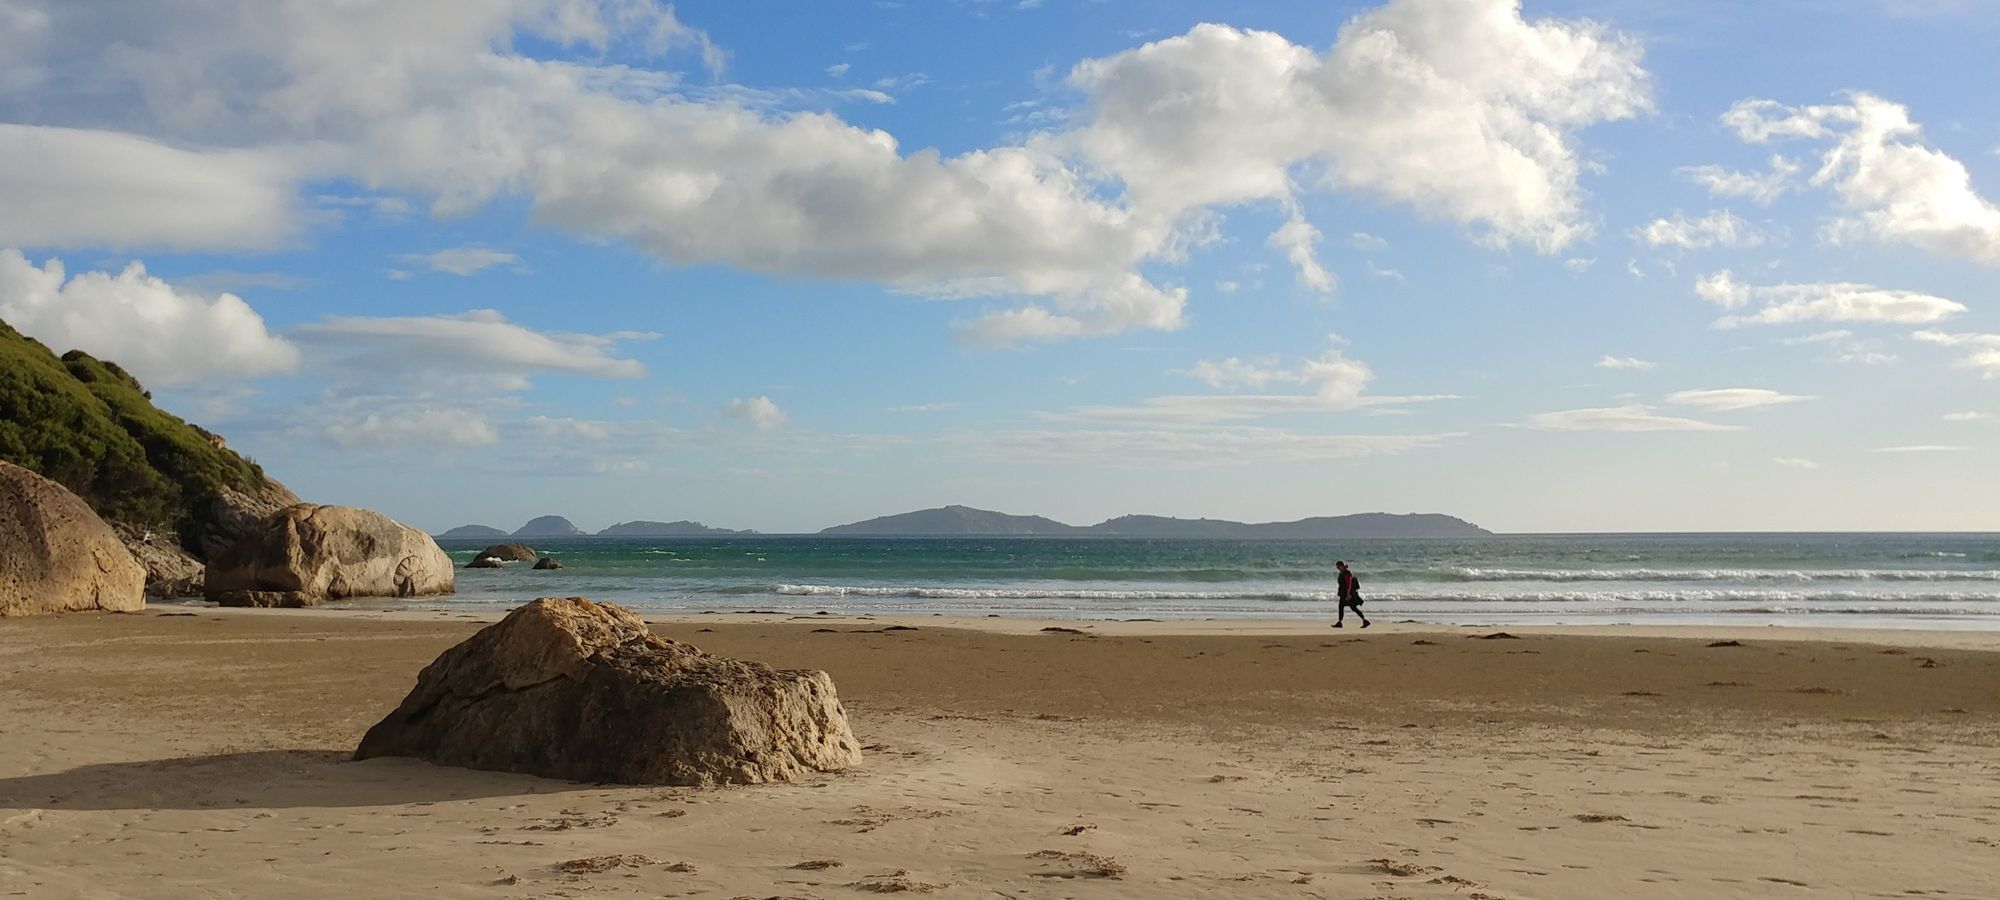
x,y
201,752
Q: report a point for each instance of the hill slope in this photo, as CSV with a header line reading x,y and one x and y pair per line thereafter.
x,y
89,426
951,520
474,532
548,526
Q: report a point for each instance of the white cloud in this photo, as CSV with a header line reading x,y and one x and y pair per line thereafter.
x,y
1829,302
923,408
838,70
70,187
1921,448
1761,189
461,260
1720,228
1984,357
1299,239
481,350
1894,188
1626,362
164,336
1335,383
1232,447
415,425
1462,110
1844,347
432,100
1630,417
1795,462
758,411
1968,416
1362,240
1578,264
1728,399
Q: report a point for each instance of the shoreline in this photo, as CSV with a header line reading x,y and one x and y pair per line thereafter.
x,y
1914,636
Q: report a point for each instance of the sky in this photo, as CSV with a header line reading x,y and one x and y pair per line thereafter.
x,y
1553,266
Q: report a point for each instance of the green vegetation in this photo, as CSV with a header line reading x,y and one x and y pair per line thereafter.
x,y
88,425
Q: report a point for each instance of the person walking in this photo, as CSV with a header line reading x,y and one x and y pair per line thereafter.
x,y
1350,595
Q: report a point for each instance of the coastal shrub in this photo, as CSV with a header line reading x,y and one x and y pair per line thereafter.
x,y
88,425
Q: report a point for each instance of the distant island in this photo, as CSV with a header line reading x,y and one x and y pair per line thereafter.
x,y
964,520
548,526
643,528
557,526
947,521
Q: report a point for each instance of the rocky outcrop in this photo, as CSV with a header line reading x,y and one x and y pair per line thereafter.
x,y
508,552
231,515
325,553
56,555
170,570
568,688
547,562
485,562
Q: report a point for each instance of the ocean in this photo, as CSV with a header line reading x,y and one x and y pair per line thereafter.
x,y
1885,580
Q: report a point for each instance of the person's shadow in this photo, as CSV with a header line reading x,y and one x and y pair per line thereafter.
x,y
270,779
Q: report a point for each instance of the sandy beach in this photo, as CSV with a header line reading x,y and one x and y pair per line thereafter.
x,y
193,752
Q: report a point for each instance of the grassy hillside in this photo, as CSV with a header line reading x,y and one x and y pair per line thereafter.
x,y
90,426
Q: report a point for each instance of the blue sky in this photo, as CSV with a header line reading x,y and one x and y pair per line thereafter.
x,y
1561,266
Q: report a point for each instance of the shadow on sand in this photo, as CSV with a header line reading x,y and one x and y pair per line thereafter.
x,y
267,779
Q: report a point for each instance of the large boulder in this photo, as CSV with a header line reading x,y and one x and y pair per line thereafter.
x,y
313,554
58,556
231,515
568,688
170,570
547,562
508,553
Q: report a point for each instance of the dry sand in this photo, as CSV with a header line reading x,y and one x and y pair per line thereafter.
x,y
202,753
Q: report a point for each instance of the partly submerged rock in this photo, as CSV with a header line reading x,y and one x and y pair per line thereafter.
x,y
486,562
56,555
547,562
568,688
325,553
508,552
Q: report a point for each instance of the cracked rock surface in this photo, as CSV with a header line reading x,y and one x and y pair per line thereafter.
x,y
568,688
307,554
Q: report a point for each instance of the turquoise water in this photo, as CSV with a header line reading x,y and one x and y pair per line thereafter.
x,y
1903,580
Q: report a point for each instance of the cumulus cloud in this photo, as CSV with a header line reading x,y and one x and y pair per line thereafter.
x,y
1795,462
1717,229
1759,188
758,411
1893,188
461,260
1630,417
1728,399
1828,302
1984,349
480,349
1462,109
1626,362
163,335
1968,416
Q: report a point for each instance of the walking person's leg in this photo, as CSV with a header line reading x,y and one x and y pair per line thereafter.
x,y
1340,616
